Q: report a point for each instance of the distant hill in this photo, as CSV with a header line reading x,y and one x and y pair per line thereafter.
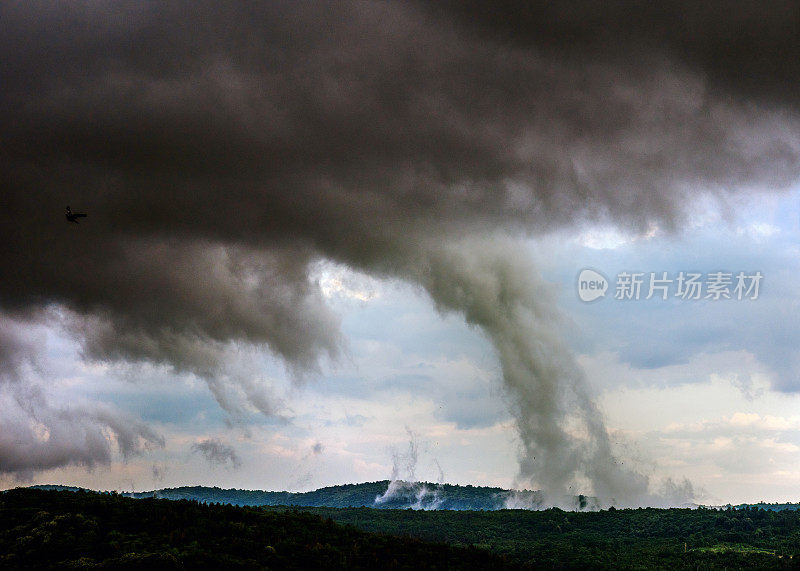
x,y
387,494
48,529
383,495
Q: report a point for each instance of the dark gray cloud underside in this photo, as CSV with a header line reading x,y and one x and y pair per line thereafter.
x,y
740,47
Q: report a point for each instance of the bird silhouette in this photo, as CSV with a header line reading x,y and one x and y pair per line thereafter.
x,y
73,216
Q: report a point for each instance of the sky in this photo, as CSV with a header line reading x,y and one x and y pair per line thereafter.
x,y
339,242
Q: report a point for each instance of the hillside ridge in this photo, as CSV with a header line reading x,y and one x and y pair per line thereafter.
x,y
383,494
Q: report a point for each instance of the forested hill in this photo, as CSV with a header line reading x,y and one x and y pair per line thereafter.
x,y
44,529
371,494
401,495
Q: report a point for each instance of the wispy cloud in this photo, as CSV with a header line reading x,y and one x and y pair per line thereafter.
x,y
217,453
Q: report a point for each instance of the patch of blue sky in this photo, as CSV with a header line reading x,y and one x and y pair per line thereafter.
x,y
653,333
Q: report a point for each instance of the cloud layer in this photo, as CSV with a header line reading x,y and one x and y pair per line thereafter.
x,y
221,151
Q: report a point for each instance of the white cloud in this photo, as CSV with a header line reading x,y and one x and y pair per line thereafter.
x,y
758,230
337,281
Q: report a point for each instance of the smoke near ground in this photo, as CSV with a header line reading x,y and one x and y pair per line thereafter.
x,y
405,491
222,151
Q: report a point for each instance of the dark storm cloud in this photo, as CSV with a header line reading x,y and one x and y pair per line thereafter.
x,y
739,46
221,150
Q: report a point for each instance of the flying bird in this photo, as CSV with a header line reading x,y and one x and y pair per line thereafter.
x,y
73,216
